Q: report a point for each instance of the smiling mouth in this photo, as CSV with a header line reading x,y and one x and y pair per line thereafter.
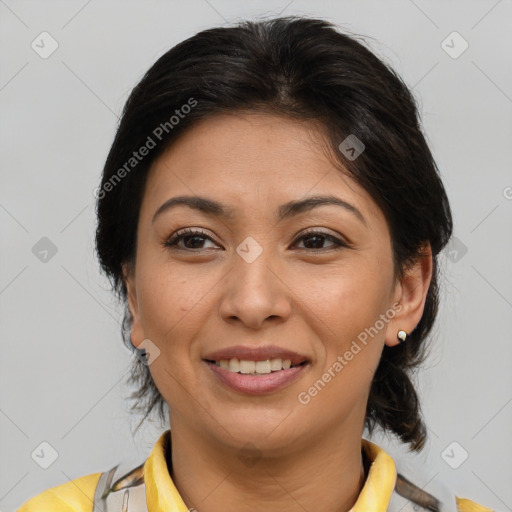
x,y
247,367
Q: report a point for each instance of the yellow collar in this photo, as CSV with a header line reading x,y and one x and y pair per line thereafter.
x,y
162,495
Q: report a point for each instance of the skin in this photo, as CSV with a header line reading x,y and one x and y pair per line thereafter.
x,y
300,294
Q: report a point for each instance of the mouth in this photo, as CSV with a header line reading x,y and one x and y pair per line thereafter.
x,y
256,371
248,367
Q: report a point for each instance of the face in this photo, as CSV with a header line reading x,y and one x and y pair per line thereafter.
x,y
260,274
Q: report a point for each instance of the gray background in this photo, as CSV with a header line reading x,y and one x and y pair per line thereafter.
x,y
63,365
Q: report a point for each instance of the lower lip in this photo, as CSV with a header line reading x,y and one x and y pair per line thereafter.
x,y
257,384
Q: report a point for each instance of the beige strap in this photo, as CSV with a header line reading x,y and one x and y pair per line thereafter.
x,y
121,490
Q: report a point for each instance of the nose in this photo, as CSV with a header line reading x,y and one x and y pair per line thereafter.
x,y
254,293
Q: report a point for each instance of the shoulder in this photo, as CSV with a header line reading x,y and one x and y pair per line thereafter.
x,y
441,498
465,505
411,487
74,496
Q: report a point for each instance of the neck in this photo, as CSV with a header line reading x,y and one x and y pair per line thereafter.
x,y
327,475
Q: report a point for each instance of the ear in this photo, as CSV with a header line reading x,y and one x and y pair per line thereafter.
x,y
411,293
137,333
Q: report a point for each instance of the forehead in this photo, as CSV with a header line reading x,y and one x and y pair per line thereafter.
x,y
252,160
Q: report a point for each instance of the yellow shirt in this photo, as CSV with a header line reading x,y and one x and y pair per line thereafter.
x,y
162,496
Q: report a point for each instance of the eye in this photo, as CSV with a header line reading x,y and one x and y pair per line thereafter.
x,y
315,239
194,239
191,238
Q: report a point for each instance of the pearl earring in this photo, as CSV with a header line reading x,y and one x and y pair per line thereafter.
x,y
402,336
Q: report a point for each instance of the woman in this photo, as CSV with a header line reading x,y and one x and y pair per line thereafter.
x,y
271,215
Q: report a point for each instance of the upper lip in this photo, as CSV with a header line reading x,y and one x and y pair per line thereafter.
x,y
261,353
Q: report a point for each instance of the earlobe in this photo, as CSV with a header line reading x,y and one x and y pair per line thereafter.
x,y
411,294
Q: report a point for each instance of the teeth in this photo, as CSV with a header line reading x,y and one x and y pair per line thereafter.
x,y
233,365
276,364
263,366
247,366
254,367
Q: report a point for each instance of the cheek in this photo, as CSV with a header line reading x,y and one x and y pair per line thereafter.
x,y
171,315
347,299
349,347
170,300
348,307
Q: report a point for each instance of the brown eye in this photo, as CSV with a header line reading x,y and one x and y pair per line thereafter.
x,y
316,239
313,240
192,239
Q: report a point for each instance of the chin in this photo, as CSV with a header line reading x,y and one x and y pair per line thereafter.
x,y
265,431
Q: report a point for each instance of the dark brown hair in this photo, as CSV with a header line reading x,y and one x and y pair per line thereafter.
x,y
305,69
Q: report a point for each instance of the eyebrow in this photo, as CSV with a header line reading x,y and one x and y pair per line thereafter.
x,y
285,211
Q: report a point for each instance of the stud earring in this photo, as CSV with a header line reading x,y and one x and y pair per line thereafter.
x,y
402,336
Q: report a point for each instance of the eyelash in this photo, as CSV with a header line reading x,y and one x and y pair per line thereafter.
x,y
173,241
